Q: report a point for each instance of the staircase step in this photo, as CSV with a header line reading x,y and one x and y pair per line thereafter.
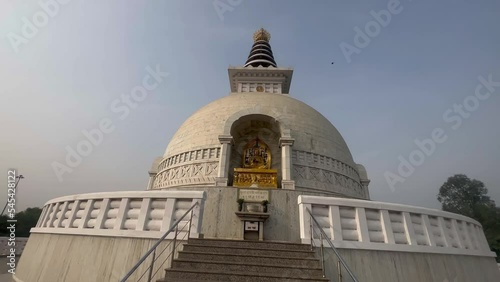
x,y
185,280
236,260
207,275
249,251
250,244
245,267
273,259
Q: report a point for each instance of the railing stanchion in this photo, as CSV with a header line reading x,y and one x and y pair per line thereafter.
x,y
339,270
173,247
190,223
152,265
311,229
322,254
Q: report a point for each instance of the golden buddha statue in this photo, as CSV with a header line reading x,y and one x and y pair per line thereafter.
x,y
256,169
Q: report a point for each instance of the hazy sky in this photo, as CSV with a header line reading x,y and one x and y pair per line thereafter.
x,y
66,75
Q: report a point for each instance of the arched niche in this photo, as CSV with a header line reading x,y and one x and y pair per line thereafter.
x,y
246,129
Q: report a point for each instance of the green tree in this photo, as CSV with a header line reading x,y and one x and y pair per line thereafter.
x,y
462,195
469,197
25,221
489,217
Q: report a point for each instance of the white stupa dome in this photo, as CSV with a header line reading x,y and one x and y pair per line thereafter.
x,y
321,158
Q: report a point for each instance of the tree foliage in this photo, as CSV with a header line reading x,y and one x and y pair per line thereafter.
x,y
462,195
469,197
489,217
25,221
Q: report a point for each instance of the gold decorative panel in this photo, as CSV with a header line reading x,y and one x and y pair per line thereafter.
x,y
259,178
256,169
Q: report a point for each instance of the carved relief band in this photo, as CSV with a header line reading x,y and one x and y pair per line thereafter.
x,y
191,167
311,177
196,173
264,178
309,159
190,156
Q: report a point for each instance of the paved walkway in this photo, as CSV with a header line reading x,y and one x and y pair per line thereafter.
x,y
4,275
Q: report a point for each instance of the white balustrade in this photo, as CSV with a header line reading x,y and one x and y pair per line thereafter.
x,y
135,214
369,225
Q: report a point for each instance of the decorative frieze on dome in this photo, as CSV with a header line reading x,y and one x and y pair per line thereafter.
x,y
190,174
325,180
190,156
188,168
324,162
324,173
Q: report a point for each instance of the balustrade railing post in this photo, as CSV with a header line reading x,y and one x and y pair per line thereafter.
x,y
190,223
322,254
339,270
311,229
152,266
173,247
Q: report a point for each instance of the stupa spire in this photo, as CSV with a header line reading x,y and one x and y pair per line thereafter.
x,y
261,34
261,53
260,72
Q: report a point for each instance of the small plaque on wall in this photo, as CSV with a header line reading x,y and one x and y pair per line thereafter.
x,y
253,195
251,226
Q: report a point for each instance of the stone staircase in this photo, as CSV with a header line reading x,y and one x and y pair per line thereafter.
x,y
235,260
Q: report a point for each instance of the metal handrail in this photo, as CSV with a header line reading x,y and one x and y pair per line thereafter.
x,y
153,248
324,235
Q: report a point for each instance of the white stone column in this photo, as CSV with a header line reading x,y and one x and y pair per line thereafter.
x,y
364,184
225,155
151,181
305,222
153,171
286,143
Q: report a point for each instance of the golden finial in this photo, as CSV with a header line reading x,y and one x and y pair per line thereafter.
x,y
261,34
